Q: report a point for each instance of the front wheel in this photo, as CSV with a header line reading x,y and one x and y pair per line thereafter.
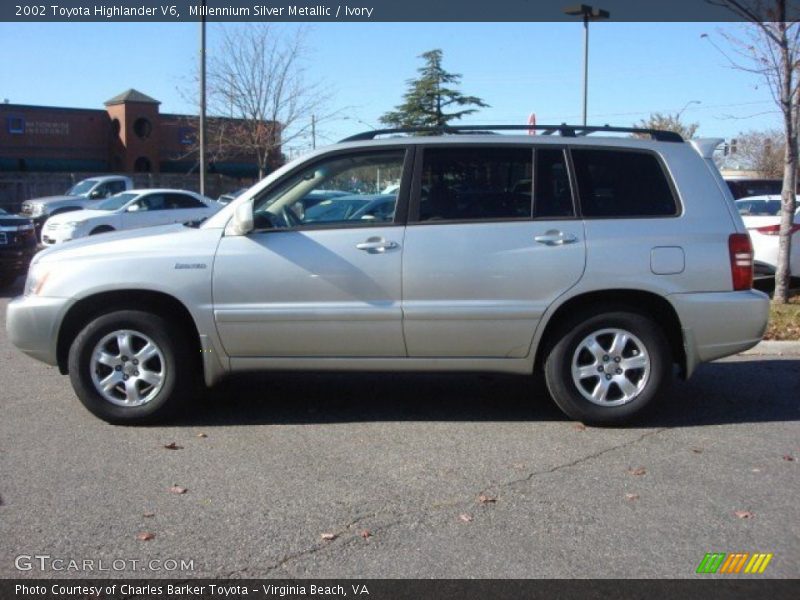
x,y
131,367
605,368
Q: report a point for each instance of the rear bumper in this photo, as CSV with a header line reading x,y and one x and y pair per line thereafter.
x,y
719,324
32,325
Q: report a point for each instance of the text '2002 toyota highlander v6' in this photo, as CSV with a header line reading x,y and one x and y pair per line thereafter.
x,y
602,261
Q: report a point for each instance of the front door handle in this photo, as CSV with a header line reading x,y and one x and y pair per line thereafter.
x,y
376,245
553,237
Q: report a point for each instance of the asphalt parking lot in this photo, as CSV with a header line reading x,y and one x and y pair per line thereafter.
x,y
440,476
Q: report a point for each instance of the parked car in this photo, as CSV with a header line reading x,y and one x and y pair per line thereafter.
x,y
631,259
81,195
17,247
129,210
742,187
761,216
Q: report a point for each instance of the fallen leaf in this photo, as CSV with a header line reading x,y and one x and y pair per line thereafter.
x,y
465,517
147,515
519,465
744,514
697,450
365,534
145,536
788,457
631,497
201,435
486,499
328,537
637,471
579,427
173,446
176,489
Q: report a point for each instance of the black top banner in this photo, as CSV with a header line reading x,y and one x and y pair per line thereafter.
x,y
384,10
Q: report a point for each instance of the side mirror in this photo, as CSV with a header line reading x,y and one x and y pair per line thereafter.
x,y
95,195
242,222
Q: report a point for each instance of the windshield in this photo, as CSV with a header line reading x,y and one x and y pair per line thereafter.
x,y
115,202
82,187
3,212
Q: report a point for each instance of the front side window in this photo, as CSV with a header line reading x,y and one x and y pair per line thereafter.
x,y
151,202
615,183
340,190
476,184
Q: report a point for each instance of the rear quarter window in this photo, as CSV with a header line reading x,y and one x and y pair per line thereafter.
x,y
618,184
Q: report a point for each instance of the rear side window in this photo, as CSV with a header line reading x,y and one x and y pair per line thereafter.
x,y
476,184
613,183
183,201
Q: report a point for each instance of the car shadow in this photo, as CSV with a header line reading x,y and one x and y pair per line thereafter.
x,y
747,391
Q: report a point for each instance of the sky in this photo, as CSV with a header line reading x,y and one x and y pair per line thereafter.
x,y
518,68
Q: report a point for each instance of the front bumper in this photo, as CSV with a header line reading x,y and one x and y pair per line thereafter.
x,y
51,237
32,325
14,260
719,324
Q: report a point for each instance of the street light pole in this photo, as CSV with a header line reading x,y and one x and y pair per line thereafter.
x,y
202,132
588,13
685,106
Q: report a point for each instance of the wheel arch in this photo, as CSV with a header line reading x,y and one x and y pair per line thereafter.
x,y
637,301
85,309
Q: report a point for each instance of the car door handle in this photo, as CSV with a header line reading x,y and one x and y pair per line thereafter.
x,y
554,237
375,245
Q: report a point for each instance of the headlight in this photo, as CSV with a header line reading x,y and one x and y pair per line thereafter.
x,y
37,210
37,276
71,224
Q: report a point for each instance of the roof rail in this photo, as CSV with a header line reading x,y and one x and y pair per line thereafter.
x,y
564,130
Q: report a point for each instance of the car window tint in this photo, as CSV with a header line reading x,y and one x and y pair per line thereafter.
x,y
350,190
614,183
473,184
152,202
552,195
175,201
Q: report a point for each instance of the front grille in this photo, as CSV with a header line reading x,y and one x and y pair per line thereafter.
x,y
3,238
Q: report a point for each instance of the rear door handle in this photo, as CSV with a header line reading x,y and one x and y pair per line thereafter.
x,y
376,245
553,237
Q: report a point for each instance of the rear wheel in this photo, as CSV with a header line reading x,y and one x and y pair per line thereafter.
x,y
131,367
607,367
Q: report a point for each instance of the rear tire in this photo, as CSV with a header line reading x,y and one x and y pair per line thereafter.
x,y
608,367
132,367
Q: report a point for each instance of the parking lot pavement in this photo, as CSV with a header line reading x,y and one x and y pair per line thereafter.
x,y
394,467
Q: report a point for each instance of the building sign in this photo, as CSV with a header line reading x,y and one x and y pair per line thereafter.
x,y
186,136
15,124
47,128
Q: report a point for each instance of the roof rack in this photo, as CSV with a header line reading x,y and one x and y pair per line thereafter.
x,y
564,130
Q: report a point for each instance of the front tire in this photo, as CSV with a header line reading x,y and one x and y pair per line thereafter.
x,y
131,367
607,367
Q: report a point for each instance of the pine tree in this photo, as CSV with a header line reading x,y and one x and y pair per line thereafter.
x,y
429,97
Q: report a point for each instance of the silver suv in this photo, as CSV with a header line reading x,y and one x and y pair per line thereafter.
x,y
600,261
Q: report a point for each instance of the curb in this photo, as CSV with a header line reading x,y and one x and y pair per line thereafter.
x,y
775,348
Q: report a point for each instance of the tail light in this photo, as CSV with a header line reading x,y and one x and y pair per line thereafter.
x,y
741,252
776,229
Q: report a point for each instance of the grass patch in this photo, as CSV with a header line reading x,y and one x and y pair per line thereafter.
x,y
784,321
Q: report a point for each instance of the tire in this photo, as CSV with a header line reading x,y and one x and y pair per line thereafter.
x,y
101,229
149,386
634,373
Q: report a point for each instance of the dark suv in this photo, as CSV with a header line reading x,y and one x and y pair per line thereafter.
x,y
17,247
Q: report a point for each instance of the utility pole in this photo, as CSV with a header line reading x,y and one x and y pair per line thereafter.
x,y
313,132
203,99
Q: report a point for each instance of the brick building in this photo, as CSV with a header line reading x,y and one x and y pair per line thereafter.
x,y
129,136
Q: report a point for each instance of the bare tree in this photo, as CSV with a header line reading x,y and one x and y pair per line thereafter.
x,y
256,78
668,122
768,48
761,151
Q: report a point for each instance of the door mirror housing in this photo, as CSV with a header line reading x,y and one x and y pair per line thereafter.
x,y
242,221
95,195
